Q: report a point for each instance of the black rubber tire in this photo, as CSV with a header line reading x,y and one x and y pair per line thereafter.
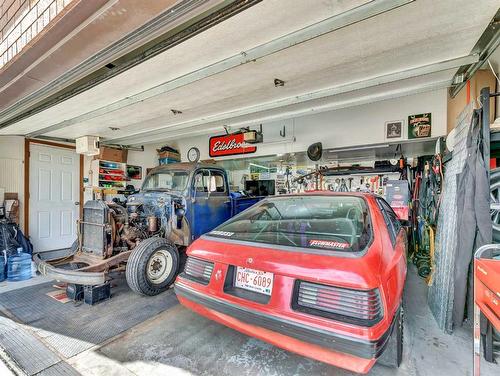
x,y
494,187
393,353
136,273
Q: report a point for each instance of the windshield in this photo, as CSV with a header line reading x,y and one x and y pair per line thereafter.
x,y
166,180
338,223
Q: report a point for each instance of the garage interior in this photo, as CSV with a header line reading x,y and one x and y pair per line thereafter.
x,y
376,96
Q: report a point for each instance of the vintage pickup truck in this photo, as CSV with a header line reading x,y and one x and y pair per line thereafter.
x,y
148,236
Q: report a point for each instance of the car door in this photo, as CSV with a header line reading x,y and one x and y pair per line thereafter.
x,y
212,204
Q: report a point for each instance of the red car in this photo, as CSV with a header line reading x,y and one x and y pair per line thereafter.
x,y
319,274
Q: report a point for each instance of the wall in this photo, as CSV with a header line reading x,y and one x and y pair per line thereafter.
x,y
146,159
354,126
12,168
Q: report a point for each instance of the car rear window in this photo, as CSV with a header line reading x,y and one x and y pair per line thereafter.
x,y
336,223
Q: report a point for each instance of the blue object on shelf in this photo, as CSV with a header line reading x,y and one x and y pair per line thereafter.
x,y
19,267
163,161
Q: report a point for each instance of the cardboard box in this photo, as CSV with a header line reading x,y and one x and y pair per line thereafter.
x,y
482,78
169,155
112,154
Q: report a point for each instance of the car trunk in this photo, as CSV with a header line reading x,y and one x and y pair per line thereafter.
x,y
352,270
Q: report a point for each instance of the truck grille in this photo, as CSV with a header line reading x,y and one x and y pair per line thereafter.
x,y
198,270
351,306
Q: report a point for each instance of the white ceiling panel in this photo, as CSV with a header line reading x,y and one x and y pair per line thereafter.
x,y
421,33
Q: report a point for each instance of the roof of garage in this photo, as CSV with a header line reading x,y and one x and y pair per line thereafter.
x,y
333,55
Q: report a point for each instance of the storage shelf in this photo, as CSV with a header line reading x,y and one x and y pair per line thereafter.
x,y
98,177
102,173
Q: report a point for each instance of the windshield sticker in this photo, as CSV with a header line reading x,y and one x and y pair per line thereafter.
x,y
222,233
328,244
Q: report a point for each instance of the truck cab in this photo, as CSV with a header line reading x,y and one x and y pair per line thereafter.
x,y
198,196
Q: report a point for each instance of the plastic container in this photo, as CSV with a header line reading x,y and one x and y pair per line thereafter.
x,y
19,267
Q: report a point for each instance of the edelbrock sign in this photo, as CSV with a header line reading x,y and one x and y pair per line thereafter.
x,y
229,144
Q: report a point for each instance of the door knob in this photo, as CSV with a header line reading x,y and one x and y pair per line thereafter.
x,y
77,203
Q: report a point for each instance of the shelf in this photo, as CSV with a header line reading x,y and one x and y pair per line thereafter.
x,y
103,173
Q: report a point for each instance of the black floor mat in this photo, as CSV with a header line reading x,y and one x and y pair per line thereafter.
x,y
71,328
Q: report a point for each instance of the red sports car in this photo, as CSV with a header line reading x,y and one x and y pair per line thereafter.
x,y
320,274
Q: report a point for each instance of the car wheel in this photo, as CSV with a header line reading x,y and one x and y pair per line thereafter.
x,y
152,266
495,203
393,353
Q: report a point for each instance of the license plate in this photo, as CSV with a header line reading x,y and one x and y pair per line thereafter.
x,y
254,280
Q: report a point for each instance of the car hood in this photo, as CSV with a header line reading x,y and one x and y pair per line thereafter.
x,y
153,202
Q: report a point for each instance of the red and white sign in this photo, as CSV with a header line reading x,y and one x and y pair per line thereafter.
x,y
229,144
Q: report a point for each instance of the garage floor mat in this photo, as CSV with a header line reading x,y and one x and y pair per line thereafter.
x,y
73,328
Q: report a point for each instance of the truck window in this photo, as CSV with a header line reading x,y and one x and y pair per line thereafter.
x,y
166,180
210,181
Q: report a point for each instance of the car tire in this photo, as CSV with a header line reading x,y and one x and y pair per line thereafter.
x,y
393,353
495,199
152,266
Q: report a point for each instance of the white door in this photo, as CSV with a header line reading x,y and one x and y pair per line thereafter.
x,y
54,195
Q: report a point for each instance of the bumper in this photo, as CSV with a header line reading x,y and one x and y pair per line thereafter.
x,y
336,349
69,276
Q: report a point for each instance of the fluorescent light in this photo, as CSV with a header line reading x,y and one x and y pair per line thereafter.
x,y
355,148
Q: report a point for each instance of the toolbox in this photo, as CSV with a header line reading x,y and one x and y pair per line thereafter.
x,y
486,302
74,291
94,294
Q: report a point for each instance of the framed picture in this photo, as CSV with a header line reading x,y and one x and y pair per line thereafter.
x,y
134,172
394,129
419,126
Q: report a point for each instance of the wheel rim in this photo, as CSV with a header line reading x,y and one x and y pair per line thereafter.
x,y
159,266
495,205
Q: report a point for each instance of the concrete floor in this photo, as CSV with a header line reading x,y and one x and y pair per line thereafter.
x,y
179,342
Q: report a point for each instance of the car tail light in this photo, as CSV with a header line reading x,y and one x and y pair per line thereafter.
x,y
360,307
199,270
